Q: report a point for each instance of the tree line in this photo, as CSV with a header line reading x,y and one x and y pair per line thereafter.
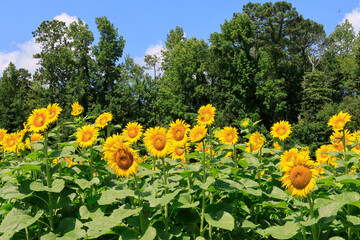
x,y
267,63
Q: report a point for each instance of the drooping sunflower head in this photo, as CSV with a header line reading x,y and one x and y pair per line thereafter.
x,y
257,139
178,150
356,140
11,142
54,112
300,176
178,131
2,134
198,133
38,121
133,132
87,135
156,141
206,115
36,137
77,109
120,156
228,135
339,120
103,119
281,130
200,147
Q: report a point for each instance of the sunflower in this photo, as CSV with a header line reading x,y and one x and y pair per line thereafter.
x,y
257,139
337,142
133,132
281,130
321,153
228,135
198,133
77,109
252,147
245,122
178,131
338,121
120,156
300,176
288,156
87,135
206,115
10,142
38,121
276,146
199,147
54,112
178,150
156,141
354,140
2,134
103,119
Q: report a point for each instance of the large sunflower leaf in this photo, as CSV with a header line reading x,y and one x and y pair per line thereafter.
x,y
289,230
221,219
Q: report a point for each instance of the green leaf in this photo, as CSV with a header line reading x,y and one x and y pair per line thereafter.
x,y
17,220
184,201
10,191
83,183
57,186
113,195
248,224
278,193
70,228
289,230
162,201
221,219
86,214
149,234
330,209
228,185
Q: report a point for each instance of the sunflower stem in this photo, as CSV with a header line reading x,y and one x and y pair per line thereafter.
x,y
344,145
142,205
91,163
49,183
166,218
203,197
210,228
311,206
58,142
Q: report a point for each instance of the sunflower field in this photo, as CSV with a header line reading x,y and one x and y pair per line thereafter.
x,y
175,182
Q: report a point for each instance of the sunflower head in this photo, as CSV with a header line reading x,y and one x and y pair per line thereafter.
x,y
54,112
178,150
321,153
288,157
103,119
2,134
120,156
276,146
245,123
11,142
257,139
77,109
300,176
250,147
206,115
336,139
38,121
133,132
87,135
339,120
156,141
198,133
178,131
281,130
228,135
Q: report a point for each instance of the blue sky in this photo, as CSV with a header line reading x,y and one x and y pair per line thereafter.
x,y
143,24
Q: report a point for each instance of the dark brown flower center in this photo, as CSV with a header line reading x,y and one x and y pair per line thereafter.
x,y
159,142
300,176
124,159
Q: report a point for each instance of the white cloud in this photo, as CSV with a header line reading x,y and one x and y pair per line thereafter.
x,y
353,18
23,56
66,18
152,50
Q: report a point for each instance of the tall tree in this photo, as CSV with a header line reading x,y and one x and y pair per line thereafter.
x,y
107,52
